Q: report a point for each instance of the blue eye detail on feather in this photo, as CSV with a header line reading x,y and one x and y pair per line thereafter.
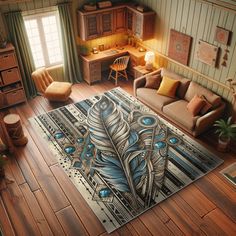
x,y
59,135
69,149
105,192
160,145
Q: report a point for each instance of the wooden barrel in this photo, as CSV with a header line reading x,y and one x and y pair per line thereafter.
x,y
14,129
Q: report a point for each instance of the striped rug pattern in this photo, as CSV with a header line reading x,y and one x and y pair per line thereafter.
x,y
147,161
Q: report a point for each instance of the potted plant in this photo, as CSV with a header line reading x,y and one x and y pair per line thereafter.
x,y
3,40
226,131
84,50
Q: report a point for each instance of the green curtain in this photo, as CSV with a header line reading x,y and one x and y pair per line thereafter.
x,y
19,39
71,61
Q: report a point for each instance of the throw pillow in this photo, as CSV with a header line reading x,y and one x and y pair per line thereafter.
x,y
206,107
183,82
195,105
168,87
153,81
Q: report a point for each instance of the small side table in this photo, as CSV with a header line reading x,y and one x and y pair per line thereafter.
x,y
14,129
140,71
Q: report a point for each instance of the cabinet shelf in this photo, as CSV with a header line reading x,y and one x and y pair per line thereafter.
x,y
11,86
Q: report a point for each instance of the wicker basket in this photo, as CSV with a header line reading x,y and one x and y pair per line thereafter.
x,y
104,4
88,7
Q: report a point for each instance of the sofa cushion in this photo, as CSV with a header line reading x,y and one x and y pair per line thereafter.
x,y
168,87
206,107
154,100
178,111
195,105
153,81
195,88
183,85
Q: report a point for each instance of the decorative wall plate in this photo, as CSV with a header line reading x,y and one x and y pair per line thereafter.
x,y
222,35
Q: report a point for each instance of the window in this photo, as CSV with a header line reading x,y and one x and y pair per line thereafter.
x,y
45,43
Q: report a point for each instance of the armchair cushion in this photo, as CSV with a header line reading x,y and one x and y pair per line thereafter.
x,y
58,91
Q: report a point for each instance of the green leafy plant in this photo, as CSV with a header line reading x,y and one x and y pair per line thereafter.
x,y
225,128
84,50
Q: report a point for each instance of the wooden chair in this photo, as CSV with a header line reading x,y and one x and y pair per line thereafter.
x,y
50,89
119,66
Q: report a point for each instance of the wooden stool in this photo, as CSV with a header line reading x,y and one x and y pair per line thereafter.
x,y
14,129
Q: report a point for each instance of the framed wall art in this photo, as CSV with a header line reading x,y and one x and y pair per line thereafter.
x,y
222,35
179,46
207,53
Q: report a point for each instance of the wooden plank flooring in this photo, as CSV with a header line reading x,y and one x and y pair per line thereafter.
x,y
37,198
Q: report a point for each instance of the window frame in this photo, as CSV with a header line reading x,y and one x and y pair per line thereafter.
x,y
38,17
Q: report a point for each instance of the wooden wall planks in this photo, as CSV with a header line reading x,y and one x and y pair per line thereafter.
x,y
199,20
193,17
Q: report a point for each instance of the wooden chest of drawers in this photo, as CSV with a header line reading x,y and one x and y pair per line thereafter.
x,y
11,86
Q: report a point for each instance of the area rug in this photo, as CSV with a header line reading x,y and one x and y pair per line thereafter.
x,y
121,156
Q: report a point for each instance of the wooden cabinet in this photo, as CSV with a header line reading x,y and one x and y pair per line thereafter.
x,y
119,20
11,86
140,24
130,21
92,27
95,25
124,18
106,23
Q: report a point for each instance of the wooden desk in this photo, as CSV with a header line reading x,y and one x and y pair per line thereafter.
x,y
92,64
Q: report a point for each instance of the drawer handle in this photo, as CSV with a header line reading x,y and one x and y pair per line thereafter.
x,y
5,56
9,71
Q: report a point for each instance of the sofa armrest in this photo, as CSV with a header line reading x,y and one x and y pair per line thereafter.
x,y
140,82
208,119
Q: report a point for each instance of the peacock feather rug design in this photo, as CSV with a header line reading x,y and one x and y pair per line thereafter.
x,y
121,156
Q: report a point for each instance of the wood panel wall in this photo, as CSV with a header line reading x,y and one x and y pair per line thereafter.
x,y
199,20
193,17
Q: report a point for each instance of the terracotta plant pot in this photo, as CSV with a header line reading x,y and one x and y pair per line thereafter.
x,y
223,144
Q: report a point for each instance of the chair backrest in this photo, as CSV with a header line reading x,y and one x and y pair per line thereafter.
x,y
42,79
122,61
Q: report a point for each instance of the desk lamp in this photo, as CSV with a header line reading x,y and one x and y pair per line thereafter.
x,y
149,58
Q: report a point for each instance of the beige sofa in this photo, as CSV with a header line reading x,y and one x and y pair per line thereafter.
x,y
175,109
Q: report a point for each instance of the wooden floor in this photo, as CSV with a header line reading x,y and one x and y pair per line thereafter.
x,y
37,198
